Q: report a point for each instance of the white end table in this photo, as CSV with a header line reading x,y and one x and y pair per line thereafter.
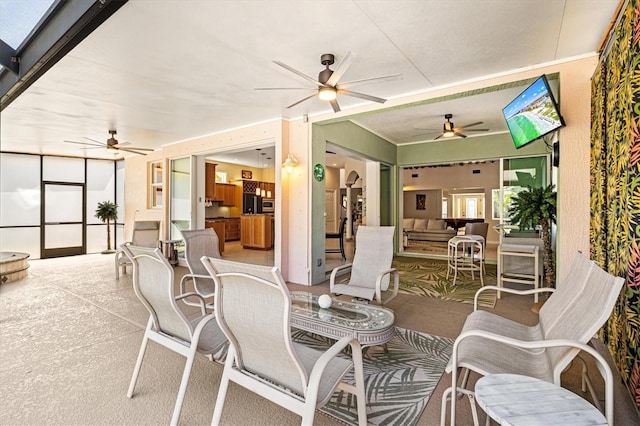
x,y
512,399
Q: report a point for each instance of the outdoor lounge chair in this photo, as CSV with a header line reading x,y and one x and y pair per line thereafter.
x,y
371,266
490,344
153,282
146,233
198,243
253,308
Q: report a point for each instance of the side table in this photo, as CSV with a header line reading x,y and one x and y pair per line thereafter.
x,y
169,250
512,399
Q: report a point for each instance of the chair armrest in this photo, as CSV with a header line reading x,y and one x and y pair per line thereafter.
x,y
396,282
186,277
323,361
509,290
601,363
334,272
197,296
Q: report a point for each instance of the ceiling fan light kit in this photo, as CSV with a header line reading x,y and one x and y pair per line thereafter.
x,y
327,93
327,87
449,130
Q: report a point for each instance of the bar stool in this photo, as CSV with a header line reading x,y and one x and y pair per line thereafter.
x,y
462,253
519,263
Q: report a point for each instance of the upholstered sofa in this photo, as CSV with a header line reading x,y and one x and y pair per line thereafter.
x,y
427,230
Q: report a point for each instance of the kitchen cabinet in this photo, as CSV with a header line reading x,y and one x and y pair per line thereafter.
x,y
232,229
210,181
226,194
218,226
256,231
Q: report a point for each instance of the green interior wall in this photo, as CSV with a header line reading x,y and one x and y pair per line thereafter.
x,y
469,149
356,139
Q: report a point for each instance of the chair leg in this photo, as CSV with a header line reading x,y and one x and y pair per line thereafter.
x,y
356,353
136,369
222,389
183,384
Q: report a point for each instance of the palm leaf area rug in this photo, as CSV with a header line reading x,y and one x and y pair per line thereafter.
x,y
428,277
398,383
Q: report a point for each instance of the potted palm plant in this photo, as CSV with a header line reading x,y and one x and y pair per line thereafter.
x,y
107,211
535,207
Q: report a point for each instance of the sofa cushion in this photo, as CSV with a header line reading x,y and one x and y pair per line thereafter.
x,y
407,224
420,224
436,224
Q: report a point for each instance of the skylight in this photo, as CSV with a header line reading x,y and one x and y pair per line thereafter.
x,y
18,18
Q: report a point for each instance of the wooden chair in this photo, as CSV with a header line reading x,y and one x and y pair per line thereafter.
x,y
339,235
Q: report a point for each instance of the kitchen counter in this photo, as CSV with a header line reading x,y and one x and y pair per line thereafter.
x,y
231,226
256,231
218,227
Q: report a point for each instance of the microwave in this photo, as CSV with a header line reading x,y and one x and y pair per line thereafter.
x,y
268,205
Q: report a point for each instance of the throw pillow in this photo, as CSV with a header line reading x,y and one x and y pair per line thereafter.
x,y
420,225
407,224
436,224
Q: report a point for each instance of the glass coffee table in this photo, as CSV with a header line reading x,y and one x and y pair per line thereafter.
x,y
371,325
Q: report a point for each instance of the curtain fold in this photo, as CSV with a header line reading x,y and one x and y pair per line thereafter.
x,y
615,187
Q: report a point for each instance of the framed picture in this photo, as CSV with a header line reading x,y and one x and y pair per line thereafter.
x,y
247,174
421,202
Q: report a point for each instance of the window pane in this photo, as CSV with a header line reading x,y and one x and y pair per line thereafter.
x,y
100,186
64,203
24,240
61,236
19,190
63,169
97,238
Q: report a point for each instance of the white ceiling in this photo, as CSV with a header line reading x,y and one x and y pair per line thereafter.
x,y
166,71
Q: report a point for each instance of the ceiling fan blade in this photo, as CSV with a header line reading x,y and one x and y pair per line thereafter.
x,y
376,79
284,88
93,140
460,134
97,144
335,106
438,137
119,146
475,130
362,96
132,150
472,124
298,73
429,130
301,100
342,67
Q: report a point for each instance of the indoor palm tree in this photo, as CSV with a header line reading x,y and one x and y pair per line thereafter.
x,y
107,211
533,207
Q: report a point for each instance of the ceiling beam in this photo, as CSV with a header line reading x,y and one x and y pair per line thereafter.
x,y
67,25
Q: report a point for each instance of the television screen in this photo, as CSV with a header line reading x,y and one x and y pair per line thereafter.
x,y
533,114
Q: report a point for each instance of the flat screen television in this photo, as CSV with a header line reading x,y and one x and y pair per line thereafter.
x,y
533,114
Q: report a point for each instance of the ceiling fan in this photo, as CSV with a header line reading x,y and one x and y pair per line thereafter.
x,y
327,86
449,130
112,145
